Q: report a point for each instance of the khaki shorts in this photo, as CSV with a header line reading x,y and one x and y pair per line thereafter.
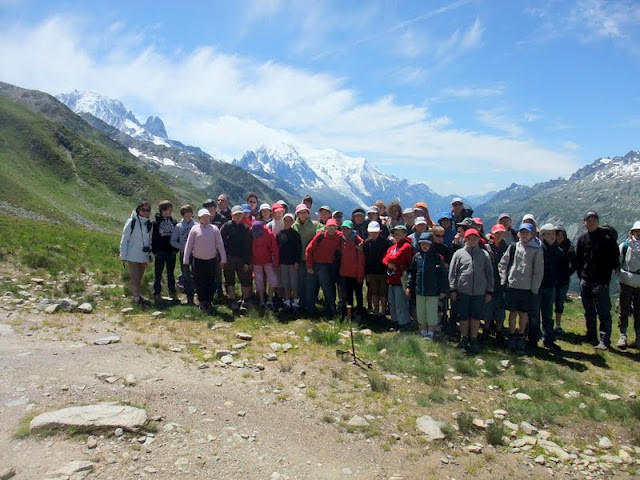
x,y
377,285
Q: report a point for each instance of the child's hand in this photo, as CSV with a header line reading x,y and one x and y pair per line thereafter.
x,y
408,292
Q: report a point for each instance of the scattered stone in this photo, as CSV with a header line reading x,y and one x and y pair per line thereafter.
x,y
286,347
158,314
522,396
610,459
479,423
85,308
221,352
610,396
67,304
479,362
92,442
604,443
130,380
7,474
52,308
239,346
260,366
540,460
241,413
430,427
555,450
37,280
633,394
99,415
625,457
203,366
475,448
395,436
126,310
107,340
346,471
227,359
275,346
182,461
357,421
444,460
383,351
500,414
150,469
511,426
244,336
118,432
544,435
177,349
457,378
75,467
270,357
572,394
528,429
582,406
504,363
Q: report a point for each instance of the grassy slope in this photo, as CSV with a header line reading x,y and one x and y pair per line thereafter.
x,y
49,169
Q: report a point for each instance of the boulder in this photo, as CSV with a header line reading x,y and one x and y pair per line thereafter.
x,y
430,427
100,415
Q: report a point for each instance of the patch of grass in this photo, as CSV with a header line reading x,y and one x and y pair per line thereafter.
x,y
378,383
448,431
494,433
326,418
465,422
73,285
23,430
325,334
437,396
465,366
285,367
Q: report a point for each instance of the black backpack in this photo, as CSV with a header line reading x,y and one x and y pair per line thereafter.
x,y
133,225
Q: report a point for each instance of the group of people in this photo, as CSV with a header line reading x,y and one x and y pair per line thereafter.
x,y
441,276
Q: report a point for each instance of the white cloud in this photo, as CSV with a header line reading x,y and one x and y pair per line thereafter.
x,y
227,104
569,145
474,92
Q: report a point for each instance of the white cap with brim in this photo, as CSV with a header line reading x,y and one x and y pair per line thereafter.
x,y
373,227
456,200
548,227
529,216
420,221
636,226
289,215
504,215
203,211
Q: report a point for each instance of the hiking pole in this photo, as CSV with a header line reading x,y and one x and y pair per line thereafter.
x,y
356,359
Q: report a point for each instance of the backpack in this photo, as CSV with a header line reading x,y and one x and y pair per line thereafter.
x,y
133,225
610,232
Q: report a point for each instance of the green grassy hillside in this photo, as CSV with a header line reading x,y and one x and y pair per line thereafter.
x,y
81,178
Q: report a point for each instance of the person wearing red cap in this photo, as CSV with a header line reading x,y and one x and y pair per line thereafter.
x,y
471,285
322,260
494,320
397,260
276,224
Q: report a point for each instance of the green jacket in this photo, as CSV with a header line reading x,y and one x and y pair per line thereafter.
x,y
307,232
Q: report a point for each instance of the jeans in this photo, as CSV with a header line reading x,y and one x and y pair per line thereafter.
x,y
399,305
324,275
561,296
547,301
351,287
162,259
187,276
597,304
629,304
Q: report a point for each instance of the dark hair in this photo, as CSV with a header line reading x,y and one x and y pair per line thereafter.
x,y
252,194
143,203
164,205
396,204
185,208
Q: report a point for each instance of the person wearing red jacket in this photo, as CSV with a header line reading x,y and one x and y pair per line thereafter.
x,y
265,261
397,260
321,255
351,266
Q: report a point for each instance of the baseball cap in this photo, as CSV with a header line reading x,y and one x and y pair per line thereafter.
x,y
208,203
548,227
529,216
420,206
591,213
373,209
325,207
331,223
265,206
236,209
498,228
347,224
636,226
399,227
277,207
246,208
456,200
471,231
289,215
526,226
203,211
407,211
504,215
420,221
425,237
301,207
373,227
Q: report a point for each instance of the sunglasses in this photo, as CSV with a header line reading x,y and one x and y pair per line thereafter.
x,y
438,236
252,201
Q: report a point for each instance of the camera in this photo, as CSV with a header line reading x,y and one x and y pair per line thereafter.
x,y
146,249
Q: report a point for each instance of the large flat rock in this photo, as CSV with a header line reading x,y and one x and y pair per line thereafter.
x,y
100,415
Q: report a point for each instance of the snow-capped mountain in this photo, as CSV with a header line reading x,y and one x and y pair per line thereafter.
x,y
334,178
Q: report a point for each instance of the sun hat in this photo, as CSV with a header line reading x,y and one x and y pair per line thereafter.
x,y
407,211
636,226
289,215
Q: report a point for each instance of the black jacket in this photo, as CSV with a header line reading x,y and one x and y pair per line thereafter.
x,y
596,256
428,275
374,251
237,241
554,259
496,252
161,235
444,250
289,246
567,267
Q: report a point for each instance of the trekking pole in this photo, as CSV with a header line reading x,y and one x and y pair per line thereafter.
x,y
352,352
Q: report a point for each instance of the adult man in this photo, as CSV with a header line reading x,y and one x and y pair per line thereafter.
x,y
324,214
459,211
237,243
596,258
223,206
510,235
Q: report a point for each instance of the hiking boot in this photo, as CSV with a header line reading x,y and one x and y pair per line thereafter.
x,y
235,306
269,305
512,343
473,348
553,346
601,346
190,301
424,333
521,345
463,344
559,331
622,343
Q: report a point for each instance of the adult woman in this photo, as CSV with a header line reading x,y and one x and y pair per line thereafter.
x,y
204,243
135,247
629,279
395,215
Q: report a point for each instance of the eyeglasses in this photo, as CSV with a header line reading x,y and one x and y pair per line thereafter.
x,y
252,201
438,236
145,209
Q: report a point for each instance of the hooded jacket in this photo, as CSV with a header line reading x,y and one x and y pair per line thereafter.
x,y
323,248
496,252
264,249
567,268
180,234
471,272
554,259
237,241
374,251
162,230
352,258
428,274
597,256
307,231
133,242
630,264
289,246
399,255
527,268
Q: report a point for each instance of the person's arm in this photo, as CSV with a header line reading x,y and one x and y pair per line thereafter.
x,y
309,252
188,246
124,240
453,276
488,270
219,244
275,252
175,237
538,272
411,278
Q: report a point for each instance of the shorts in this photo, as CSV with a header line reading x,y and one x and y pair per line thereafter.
x,y
470,306
377,285
517,300
233,267
288,278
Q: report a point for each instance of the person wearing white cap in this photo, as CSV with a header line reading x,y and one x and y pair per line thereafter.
x,y
307,229
264,213
135,247
419,227
203,246
178,241
374,249
629,279
459,211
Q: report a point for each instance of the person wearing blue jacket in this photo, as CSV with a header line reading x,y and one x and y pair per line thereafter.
x,y
428,281
445,221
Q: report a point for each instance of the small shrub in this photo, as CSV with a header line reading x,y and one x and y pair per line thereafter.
x,y
37,260
437,396
325,334
494,433
465,367
285,367
465,422
448,431
378,382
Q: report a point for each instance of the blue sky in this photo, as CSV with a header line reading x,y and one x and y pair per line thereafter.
x,y
466,95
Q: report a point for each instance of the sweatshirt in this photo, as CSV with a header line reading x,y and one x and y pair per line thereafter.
x,y
400,255
180,234
471,272
597,256
428,274
133,242
323,248
162,230
237,241
527,268
289,246
204,243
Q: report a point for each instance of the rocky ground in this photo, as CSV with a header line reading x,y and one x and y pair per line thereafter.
x,y
225,418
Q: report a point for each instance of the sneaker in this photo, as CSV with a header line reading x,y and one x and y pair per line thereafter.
x,y
431,336
463,344
296,303
473,348
424,333
601,346
559,331
622,343
190,301
552,346
235,306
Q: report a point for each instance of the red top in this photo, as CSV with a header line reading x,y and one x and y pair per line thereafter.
x,y
322,248
400,255
352,259
265,249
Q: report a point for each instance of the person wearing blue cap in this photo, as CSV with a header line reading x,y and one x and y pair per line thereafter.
x,y
521,271
428,281
446,222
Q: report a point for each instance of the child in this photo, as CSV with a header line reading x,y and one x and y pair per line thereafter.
x,y
178,241
351,266
161,247
320,259
494,321
471,283
276,224
237,243
290,252
265,261
554,259
629,279
449,231
374,249
521,272
397,260
428,281
264,214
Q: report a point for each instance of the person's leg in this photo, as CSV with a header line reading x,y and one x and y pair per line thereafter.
x,y
561,296
403,311
534,330
603,309
136,271
325,280
636,315
171,272
547,301
358,290
272,279
209,276
217,281
158,269
431,309
590,315
200,279
626,299
293,285
392,302
230,278
384,295
258,276
421,314
187,278
311,295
